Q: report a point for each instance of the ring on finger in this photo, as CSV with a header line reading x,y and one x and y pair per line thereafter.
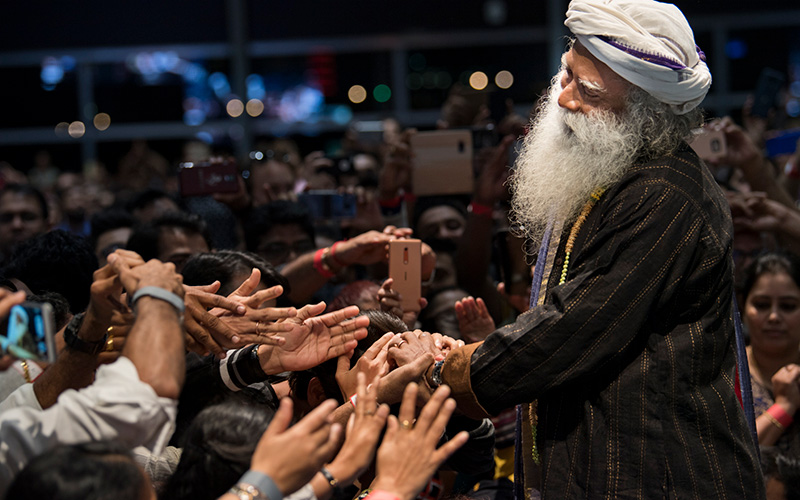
x,y
109,343
258,327
406,425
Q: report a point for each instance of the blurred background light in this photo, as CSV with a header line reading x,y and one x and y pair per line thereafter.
x,y
235,108
254,107
382,93
478,80
101,121
76,129
357,94
504,79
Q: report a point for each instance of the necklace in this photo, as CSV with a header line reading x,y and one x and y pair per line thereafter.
x,y
587,208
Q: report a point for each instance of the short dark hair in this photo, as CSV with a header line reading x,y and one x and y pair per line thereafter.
x,y
262,219
108,220
144,199
217,449
771,263
56,261
144,238
205,268
29,191
91,471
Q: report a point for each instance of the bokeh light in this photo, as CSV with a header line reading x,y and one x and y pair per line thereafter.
x,y
357,94
504,79
76,129
102,121
61,129
478,80
255,107
382,93
235,108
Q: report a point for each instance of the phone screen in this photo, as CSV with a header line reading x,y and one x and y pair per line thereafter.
x,y
28,332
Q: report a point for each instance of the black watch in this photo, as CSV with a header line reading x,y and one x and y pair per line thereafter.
x,y
436,375
76,343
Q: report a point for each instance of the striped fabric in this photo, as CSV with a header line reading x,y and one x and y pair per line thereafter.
x,y
632,359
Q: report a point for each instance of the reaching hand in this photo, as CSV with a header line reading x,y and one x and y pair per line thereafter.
x,y
313,339
408,456
291,456
786,388
363,430
391,302
371,364
474,321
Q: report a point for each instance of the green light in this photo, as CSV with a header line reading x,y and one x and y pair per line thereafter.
x,y
382,93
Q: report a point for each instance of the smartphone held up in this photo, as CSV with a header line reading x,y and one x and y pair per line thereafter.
x,y
29,332
405,269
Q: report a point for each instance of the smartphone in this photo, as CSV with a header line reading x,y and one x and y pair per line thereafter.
x,y
442,162
710,144
783,143
405,269
329,204
769,84
29,332
206,178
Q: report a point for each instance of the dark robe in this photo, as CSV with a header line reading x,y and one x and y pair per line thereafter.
x,y
632,359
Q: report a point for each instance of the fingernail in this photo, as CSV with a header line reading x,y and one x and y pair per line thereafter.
x,y
235,338
241,309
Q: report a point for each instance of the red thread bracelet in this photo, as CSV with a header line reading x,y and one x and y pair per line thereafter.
x,y
779,414
319,266
333,255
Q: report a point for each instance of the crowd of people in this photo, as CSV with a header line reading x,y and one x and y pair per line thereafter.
x,y
576,332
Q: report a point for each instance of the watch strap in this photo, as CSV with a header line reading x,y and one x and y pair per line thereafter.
x,y
161,294
263,484
436,375
76,343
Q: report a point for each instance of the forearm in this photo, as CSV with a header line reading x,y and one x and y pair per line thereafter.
x,y
73,369
303,278
472,262
155,346
761,177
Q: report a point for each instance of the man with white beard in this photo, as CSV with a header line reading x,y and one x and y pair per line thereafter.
x,y
626,360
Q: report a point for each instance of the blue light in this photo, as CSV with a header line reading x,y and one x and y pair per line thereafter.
x,y
205,137
342,114
194,117
736,48
68,63
52,72
795,89
793,108
255,87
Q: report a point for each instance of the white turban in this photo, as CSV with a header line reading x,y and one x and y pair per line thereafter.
x,y
648,43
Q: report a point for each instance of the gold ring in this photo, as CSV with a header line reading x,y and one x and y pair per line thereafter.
x,y
110,329
369,413
258,327
110,343
405,424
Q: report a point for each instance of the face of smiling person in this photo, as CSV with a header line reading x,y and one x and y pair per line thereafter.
x,y
772,314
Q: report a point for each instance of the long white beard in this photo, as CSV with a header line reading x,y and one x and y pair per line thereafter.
x,y
563,159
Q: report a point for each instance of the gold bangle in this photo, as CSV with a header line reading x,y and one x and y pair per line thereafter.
x,y
775,421
26,371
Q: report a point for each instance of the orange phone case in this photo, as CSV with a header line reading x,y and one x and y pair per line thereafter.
x,y
405,268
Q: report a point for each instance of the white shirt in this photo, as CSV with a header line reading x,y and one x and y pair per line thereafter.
x,y
117,406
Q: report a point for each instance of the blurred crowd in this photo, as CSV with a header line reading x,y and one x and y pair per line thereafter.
x,y
259,327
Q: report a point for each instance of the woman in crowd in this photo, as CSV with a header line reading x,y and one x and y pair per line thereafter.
x,y
772,316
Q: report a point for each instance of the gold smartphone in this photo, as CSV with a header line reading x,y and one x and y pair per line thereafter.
x,y
405,269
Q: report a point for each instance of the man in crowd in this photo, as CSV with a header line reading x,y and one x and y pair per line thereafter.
x,y
627,356
23,215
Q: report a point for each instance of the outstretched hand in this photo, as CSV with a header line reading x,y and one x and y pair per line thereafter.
x,y
408,456
292,455
314,339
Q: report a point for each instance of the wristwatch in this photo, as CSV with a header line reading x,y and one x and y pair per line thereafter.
x,y
436,375
76,343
